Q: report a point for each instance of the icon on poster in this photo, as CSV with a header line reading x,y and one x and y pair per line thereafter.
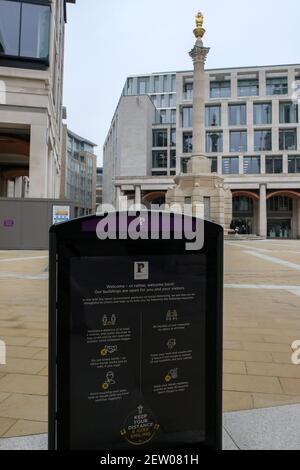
x,y
110,380
141,270
109,321
172,315
171,343
108,350
171,375
140,427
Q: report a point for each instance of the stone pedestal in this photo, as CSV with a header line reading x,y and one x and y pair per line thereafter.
x,y
204,189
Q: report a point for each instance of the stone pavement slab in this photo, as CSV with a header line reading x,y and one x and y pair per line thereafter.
x,y
274,428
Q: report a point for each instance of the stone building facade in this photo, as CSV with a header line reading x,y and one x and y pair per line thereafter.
x,y
249,130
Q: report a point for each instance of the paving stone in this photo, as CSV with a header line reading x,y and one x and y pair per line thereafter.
x,y
290,386
23,366
234,367
27,428
265,429
5,424
28,407
233,401
273,370
250,383
27,384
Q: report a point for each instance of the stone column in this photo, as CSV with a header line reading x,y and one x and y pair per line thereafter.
x,y
38,162
263,210
138,195
199,54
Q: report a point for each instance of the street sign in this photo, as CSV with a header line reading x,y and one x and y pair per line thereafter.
x,y
135,337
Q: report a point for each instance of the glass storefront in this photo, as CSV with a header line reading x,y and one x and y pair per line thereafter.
x,y
280,228
244,226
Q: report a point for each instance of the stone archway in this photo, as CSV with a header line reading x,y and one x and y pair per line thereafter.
x,y
155,197
283,214
245,212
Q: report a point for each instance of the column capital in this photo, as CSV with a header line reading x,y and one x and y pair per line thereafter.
x,y
199,54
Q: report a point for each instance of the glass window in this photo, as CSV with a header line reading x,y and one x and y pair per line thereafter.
x,y
273,165
187,117
167,83
214,165
248,87
242,204
288,113
280,204
173,137
9,27
173,116
251,165
187,144
262,113
287,139
230,165
262,140
164,101
157,84
214,142
213,116
173,83
159,158
277,86
172,100
35,31
184,163
160,138
294,164
24,29
188,91
220,89
173,159
163,117
143,85
238,141
237,115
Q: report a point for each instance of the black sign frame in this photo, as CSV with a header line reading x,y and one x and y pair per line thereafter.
x,y
66,236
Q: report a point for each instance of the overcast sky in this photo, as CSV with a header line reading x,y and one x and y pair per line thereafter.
x,y
107,40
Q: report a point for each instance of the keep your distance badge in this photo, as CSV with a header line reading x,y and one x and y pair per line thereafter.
x,y
140,427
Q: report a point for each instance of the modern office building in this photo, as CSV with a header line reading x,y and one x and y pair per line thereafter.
x,y
78,173
31,80
250,130
99,186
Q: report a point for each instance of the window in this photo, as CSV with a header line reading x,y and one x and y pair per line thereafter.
x,y
238,141
273,165
188,91
167,83
173,83
159,159
248,87
280,204
277,86
173,159
251,165
213,116
173,116
287,139
187,117
214,165
162,117
214,142
262,140
262,113
187,144
294,164
288,113
160,138
173,137
172,101
242,204
157,84
24,30
220,89
237,115
184,164
143,83
230,165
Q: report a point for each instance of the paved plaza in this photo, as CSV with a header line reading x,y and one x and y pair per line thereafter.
x,y
262,319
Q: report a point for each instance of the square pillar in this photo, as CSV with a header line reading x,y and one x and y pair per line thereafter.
x,y
38,162
263,211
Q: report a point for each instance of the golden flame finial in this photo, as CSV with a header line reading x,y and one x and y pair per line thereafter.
x,y
199,31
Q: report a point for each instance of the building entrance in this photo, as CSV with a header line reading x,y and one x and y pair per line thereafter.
x,y
280,228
